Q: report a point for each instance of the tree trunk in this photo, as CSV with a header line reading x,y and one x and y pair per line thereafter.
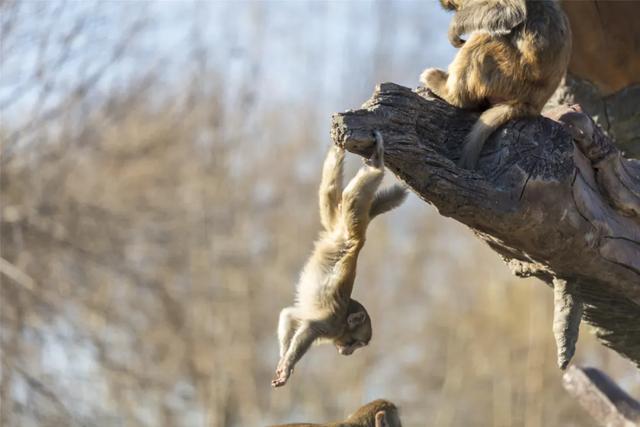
x,y
557,203
604,72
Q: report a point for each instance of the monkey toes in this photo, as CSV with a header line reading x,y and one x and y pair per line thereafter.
x,y
433,78
377,158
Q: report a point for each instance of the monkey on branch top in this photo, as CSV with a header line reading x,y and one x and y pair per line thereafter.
x,y
516,54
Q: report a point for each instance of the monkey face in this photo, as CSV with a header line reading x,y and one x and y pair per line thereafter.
x,y
358,330
348,349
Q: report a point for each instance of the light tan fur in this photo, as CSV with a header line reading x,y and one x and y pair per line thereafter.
x,y
514,59
323,308
379,413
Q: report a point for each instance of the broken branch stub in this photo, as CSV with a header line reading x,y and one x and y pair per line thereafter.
x,y
567,313
549,208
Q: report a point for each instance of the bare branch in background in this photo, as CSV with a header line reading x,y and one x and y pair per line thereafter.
x,y
601,397
17,275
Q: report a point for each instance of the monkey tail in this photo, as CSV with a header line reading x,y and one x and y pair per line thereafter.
x,y
489,121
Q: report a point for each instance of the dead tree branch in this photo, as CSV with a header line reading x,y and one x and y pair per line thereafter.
x,y
552,208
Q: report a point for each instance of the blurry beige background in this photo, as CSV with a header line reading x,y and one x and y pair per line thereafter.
x,y
159,169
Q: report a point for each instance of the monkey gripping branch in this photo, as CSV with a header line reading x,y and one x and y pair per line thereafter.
x,y
551,195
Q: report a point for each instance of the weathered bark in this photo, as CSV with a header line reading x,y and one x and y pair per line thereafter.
x,y
607,403
618,114
550,209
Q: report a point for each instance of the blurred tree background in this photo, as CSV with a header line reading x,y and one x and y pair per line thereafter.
x,y
159,169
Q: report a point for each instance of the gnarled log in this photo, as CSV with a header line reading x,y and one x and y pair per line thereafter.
x,y
550,207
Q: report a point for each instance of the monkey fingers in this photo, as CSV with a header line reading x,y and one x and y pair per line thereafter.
x,y
283,371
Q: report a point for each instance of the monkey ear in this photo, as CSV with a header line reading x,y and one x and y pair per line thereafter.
x,y
381,419
356,319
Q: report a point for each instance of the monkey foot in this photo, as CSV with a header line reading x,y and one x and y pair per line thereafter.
x,y
433,78
376,159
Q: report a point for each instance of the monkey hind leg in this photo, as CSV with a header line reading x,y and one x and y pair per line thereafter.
x,y
305,335
359,193
451,88
489,122
435,80
387,199
331,186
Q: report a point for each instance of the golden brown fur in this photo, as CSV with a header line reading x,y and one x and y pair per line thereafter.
x,y
324,309
516,54
379,413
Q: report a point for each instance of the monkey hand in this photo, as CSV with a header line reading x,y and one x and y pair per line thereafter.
x,y
283,371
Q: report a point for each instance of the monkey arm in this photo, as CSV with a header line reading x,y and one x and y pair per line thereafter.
x,y
287,323
306,334
479,15
331,186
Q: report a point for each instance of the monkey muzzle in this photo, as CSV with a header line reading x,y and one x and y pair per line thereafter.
x,y
345,350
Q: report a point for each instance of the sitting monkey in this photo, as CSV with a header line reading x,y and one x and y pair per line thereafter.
x,y
323,307
514,59
379,413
